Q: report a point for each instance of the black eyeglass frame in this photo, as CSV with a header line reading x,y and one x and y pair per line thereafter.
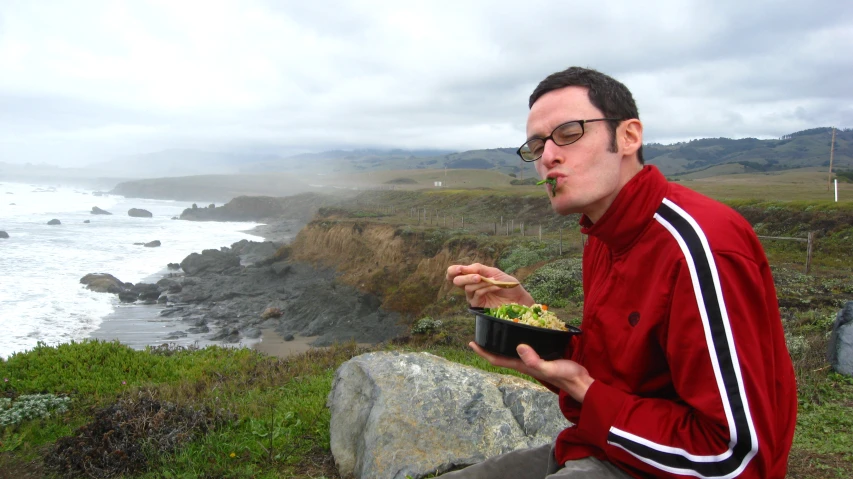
x,y
551,136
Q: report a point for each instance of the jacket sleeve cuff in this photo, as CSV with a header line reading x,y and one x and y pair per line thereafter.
x,y
601,405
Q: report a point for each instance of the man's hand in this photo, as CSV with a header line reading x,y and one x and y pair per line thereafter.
x,y
563,373
484,295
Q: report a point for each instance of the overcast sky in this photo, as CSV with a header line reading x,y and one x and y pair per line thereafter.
x,y
83,81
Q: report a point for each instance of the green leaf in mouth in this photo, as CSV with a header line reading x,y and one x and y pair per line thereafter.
x,y
552,182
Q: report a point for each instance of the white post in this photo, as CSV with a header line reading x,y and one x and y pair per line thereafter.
x,y
836,190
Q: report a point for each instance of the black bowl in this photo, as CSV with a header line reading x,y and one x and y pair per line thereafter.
x,y
502,337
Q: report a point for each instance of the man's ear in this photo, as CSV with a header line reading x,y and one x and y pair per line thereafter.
x,y
630,136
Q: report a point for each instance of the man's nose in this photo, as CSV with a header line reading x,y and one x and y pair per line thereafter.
x,y
551,154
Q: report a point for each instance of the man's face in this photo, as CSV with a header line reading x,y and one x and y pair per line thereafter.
x,y
588,175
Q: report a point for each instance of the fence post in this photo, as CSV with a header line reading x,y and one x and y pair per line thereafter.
x,y
463,222
540,232
809,252
561,241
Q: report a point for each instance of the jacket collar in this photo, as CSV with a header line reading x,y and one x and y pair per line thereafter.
x,y
631,212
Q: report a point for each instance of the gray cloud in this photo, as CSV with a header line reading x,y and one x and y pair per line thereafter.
x,y
83,81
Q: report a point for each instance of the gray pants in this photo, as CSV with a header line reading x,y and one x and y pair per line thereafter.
x,y
537,463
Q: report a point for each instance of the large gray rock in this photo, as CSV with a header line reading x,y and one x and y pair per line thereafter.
x,y
395,414
54,222
210,261
251,252
98,211
840,348
4,234
103,283
139,213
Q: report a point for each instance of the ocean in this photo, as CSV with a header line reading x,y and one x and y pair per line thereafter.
x,y
41,298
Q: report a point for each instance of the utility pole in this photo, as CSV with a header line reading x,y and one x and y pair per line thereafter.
x,y
831,154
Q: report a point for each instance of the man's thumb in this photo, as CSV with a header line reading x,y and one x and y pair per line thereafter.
x,y
527,355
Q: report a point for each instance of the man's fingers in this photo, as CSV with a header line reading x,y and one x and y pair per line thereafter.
x,y
528,356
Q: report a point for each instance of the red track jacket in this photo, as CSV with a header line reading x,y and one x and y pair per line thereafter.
x,y
682,334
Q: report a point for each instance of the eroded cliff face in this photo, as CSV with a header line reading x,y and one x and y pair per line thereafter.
x,y
405,268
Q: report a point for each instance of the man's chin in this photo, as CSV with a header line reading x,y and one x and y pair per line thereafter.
x,y
563,207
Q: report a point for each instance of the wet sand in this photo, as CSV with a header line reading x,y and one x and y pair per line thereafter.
x,y
273,344
138,326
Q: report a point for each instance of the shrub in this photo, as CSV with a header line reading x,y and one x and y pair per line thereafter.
x,y
557,283
31,406
426,325
526,254
524,182
123,437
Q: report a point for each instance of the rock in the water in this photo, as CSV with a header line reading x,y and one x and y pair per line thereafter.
x,y
4,234
395,414
168,284
210,260
102,283
86,221
152,244
149,295
173,266
54,222
840,347
128,296
98,211
139,213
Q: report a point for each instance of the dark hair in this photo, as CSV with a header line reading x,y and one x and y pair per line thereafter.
x,y
605,93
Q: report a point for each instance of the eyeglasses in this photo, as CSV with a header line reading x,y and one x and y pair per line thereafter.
x,y
565,134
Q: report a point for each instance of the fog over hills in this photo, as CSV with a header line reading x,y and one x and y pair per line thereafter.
x,y
807,148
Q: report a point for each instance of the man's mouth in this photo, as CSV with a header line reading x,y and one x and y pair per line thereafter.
x,y
552,181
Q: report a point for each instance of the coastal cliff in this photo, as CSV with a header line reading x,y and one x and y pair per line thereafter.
x,y
300,207
403,267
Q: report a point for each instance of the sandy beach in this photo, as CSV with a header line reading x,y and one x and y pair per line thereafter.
x,y
273,344
139,326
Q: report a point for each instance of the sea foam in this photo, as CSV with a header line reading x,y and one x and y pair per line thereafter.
x,y
41,298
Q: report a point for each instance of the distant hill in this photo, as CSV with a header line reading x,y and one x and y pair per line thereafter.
x,y
808,148
344,161
213,188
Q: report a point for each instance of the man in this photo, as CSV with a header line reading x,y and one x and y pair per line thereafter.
x,y
682,368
